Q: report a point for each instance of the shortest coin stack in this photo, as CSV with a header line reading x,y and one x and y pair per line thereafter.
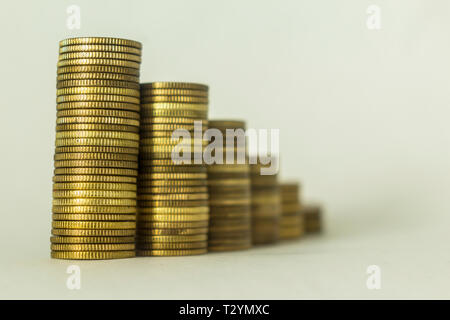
x,y
97,145
229,195
291,224
266,206
313,218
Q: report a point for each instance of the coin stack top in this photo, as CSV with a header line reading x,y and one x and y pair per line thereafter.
x,y
229,194
97,145
313,218
172,197
266,206
291,223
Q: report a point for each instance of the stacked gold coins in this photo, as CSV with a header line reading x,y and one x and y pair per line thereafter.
x,y
97,145
229,194
173,209
291,223
266,206
313,218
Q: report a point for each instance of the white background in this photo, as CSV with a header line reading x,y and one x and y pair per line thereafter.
x,y
364,119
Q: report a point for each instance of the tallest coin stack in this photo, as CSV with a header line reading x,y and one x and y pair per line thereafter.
x,y
97,146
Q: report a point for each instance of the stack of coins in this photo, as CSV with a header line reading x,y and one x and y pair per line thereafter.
x,y
229,194
266,206
313,218
97,145
291,223
173,209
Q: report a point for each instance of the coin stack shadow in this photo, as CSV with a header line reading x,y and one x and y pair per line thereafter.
x,y
229,194
291,222
97,145
313,218
266,206
173,211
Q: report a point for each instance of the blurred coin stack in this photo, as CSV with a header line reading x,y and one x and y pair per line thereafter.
x,y
97,145
173,209
266,205
291,223
313,218
229,194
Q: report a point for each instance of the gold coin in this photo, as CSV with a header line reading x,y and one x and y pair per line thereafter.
x,y
98,113
92,255
291,208
94,232
167,163
237,202
227,168
172,203
94,186
93,217
98,69
168,127
228,229
101,62
94,194
168,155
176,238
173,176
96,127
107,181
222,248
174,190
166,152
96,149
92,246
97,97
174,210
174,106
65,239
96,142
100,40
228,216
228,182
94,202
173,113
96,163
172,218
175,120
94,225
265,199
178,225
166,134
174,85
85,75
97,83
94,209
100,47
97,120
96,156
228,124
168,141
147,166
186,252
147,228
174,196
172,183
96,171
231,195
171,245
174,92
99,55
98,90
177,99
